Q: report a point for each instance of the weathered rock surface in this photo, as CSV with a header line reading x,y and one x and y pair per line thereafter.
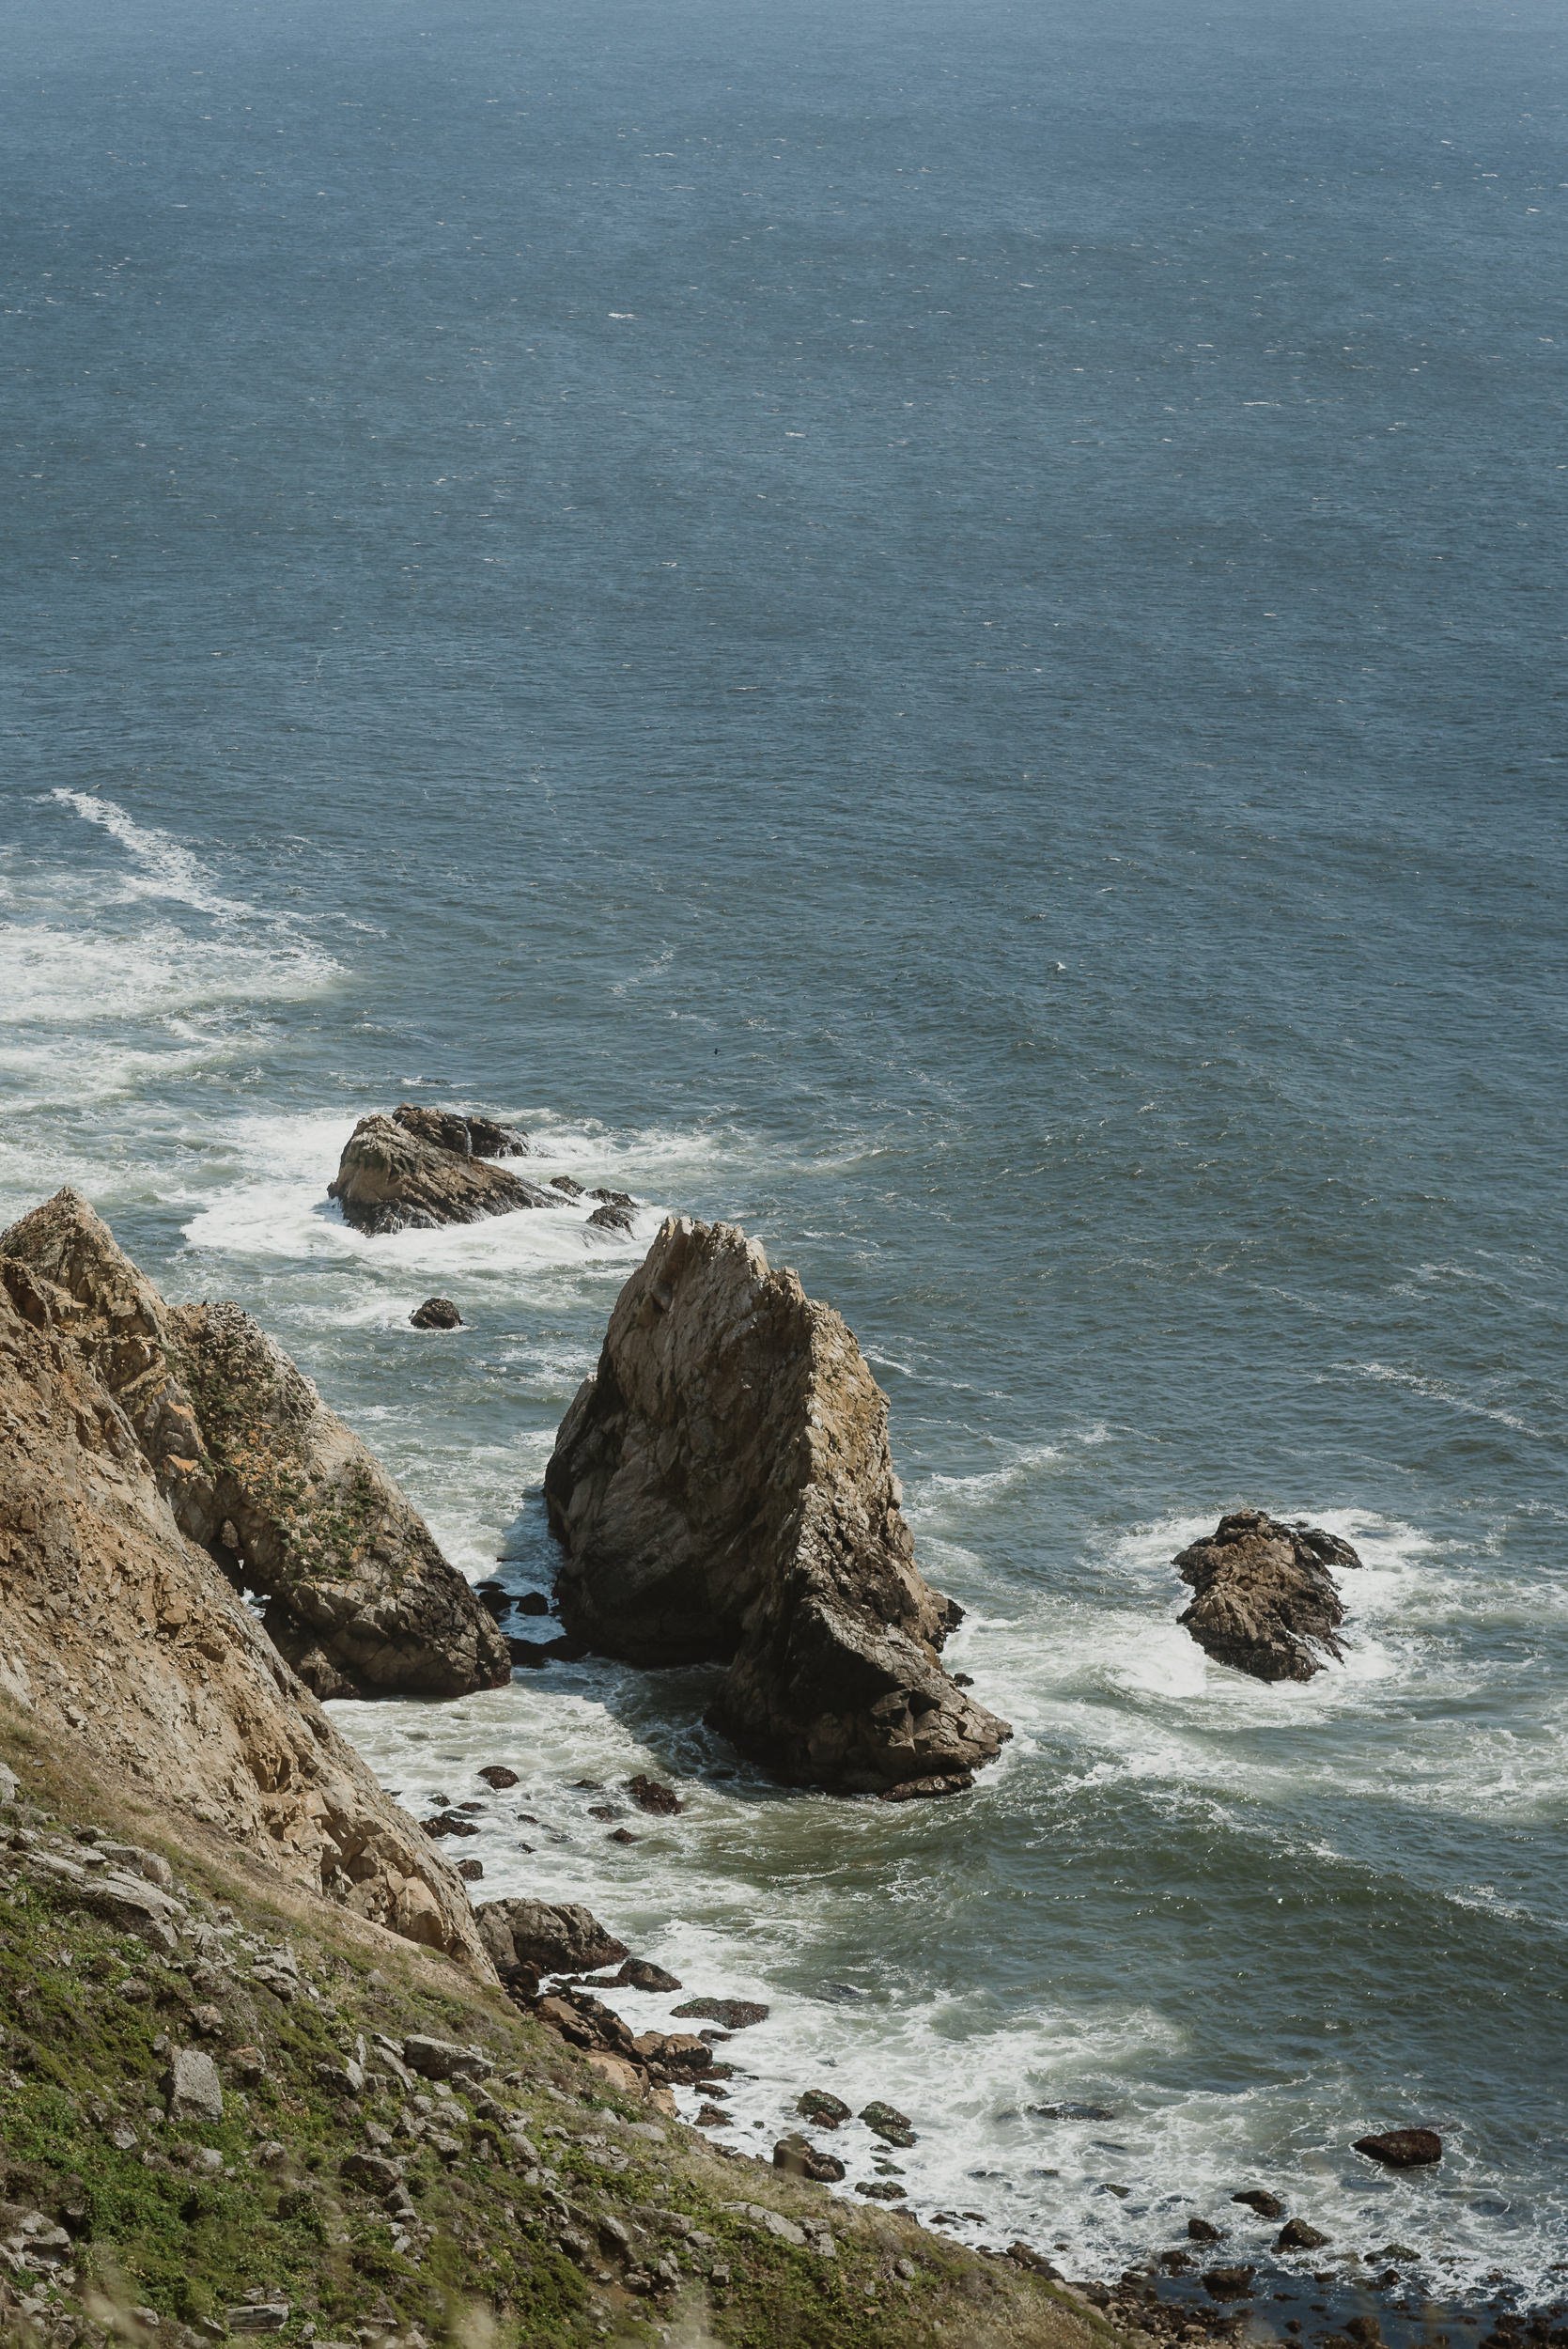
x,y
546,1937
421,1168
723,1490
1403,2148
1264,1600
118,1630
263,1475
437,1312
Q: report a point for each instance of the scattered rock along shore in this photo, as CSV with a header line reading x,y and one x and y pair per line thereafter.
x,y
723,1491
1265,1599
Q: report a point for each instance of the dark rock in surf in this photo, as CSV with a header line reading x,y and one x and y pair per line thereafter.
x,y
1403,2148
1264,1600
1259,2199
652,1794
639,1974
1200,2230
563,1183
437,1312
533,1603
1296,2236
723,1491
408,1171
497,1775
548,1937
489,1140
610,1219
1228,2283
888,2123
734,2013
827,2110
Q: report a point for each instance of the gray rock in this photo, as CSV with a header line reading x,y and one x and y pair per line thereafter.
x,y
194,2088
258,2316
445,2060
437,1312
723,1491
394,1176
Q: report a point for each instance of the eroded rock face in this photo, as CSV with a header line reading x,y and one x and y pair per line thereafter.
x,y
723,1490
118,1629
421,1168
546,1937
263,1476
1264,1600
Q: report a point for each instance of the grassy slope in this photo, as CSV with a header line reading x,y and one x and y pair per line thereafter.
x,y
501,2246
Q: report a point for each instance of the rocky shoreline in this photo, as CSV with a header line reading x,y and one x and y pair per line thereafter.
x,y
723,1491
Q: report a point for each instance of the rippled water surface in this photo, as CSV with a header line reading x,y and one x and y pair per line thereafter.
x,y
936,630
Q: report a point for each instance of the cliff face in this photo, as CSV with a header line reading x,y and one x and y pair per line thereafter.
x,y
118,1629
263,1476
723,1490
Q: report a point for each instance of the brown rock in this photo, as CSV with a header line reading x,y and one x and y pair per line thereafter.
x,y
118,1629
1259,2199
723,1491
261,1475
1266,1602
799,2157
1296,2236
496,1774
437,1312
551,1938
637,1974
611,1219
731,2013
1228,2283
394,1176
651,1794
1403,2148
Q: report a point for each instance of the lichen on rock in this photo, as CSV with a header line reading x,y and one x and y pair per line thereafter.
x,y
723,1490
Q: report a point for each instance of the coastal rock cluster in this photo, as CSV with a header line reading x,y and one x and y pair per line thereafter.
x,y
421,1168
723,1492
1265,1599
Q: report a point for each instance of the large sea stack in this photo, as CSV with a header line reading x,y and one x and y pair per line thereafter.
x,y
421,1168
261,1475
1265,1601
723,1490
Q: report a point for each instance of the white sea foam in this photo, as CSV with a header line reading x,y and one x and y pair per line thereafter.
x,y
161,866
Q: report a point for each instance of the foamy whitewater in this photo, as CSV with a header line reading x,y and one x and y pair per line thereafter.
x,y
933,631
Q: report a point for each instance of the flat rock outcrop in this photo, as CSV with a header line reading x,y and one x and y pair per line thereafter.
x,y
421,1168
1265,1599
118,1631
723,1491
262,1475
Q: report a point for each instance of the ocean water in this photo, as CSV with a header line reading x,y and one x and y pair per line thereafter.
x,y
937,629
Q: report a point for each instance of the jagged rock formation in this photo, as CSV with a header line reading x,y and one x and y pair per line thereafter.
x,y
546,1937
262,1475
420,1168
118,1630
723,1490
1265,1601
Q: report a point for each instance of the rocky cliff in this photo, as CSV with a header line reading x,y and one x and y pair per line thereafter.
x,y
1265,1601
262,1475
119,1631
723,1490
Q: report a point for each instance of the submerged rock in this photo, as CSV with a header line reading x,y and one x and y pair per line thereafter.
x,y
263,1476
407,1171
1403,2148
1265,1601
723,1491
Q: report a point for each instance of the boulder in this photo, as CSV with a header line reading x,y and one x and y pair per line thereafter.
x,y
799,2157
119,1631
1296,2234
731,2014
547,1938
437,1312
1264,1600
263,1476
723,1492
1403,2148
395,1176
1258,2198
638,1973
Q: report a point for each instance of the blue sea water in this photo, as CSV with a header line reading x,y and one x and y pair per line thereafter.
x,y
938,630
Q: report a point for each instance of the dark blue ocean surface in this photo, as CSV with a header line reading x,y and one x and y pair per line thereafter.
x,y
940,629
